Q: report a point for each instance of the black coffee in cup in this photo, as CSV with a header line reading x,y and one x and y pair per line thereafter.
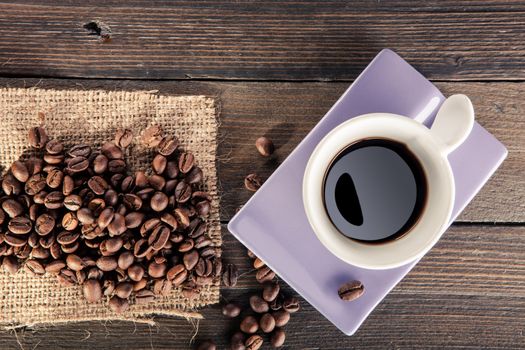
x,y
375,190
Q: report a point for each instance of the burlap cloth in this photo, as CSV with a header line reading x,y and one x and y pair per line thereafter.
x,y
92,117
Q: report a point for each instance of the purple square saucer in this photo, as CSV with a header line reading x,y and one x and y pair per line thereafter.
x,y
273,223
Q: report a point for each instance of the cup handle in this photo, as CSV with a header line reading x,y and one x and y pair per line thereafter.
x,y
453,122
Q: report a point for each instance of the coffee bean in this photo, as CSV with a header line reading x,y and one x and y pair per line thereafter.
x,y
249,325
35,267
112,151
152,136
281,318
278,338
72,202
20,225
70,248
123,290
34,184
85,216
162,287
123,138
15,240
172,169
55,178
118,305
10,264
351,290
237,341
69,221
254,342
37,137
117,225
267,323
67,278
159,201
19,171
170,220
54,147
98,185
67,238
107,263
53,160
111,245
141,248
144,296
54,200
258,304
194,176
270,291
168,145
135,272
44,242
291,305
207,345
156,270
55,266
74,262
127,184
230,275
159,237
34,165
182,192
77,165
203,208
177,274
11,185
81,150
39,253
92,290
186,160
190,259
208,252
111,197
125,260
258,263
12,208
140,285
159,164
231,310
252,182
116,166
96,206
44,224
264,146
100,164
264,274
157,182
55,250
105,217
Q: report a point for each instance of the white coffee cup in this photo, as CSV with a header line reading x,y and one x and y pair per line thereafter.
x,y
452,125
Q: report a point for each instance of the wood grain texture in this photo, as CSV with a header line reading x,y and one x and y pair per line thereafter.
x,y
287,111
281,40
468,292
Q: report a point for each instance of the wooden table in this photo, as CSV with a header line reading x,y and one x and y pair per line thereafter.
x,y
277,67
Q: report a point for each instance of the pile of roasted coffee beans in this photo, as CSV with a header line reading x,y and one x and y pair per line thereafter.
x,y
78,213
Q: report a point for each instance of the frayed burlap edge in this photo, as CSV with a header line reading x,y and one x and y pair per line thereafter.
x,y
92,117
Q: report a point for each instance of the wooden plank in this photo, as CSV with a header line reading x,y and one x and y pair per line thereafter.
x,y
287,111
285,40
466,293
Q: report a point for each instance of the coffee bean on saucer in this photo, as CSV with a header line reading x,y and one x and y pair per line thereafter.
x,y
351,290
264,146
231,310
230,275
252,182
254,342
278,338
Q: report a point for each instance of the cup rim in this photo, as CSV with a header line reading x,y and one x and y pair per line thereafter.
x,y
434,217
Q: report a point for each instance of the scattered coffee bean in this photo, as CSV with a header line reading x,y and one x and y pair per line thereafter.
x,y
258,304
118,305
92,290
351,290
278,338
254,342
252,182
237,341
123,138
291,305
267,323
37,137
271,291
231,310
230,275
207,345
281,317
249,325
264,146
265,274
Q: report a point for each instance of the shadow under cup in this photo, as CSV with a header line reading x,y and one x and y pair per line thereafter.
x,y
375,190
